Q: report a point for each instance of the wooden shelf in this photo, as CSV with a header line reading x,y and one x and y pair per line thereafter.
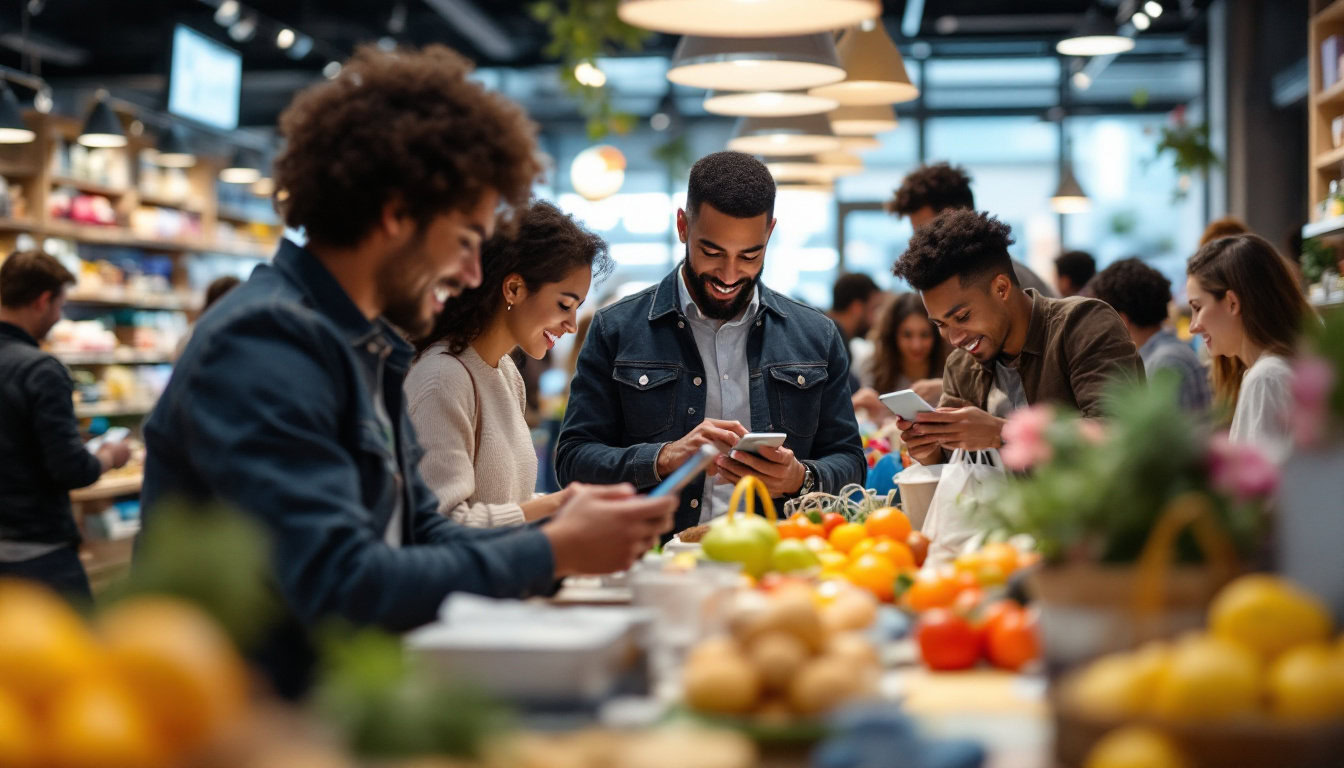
x,y
1324,228
17,225
134,301
111,358
112,409
163,202
1333,14
241,217
109,488
120,236
1326,160
18,171
89,187
1332,96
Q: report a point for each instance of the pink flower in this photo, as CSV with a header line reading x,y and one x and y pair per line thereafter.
x,y
1313,380
1091,431
1024,441
1241,470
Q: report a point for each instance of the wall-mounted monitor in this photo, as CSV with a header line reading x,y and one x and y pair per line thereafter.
x,y
205,79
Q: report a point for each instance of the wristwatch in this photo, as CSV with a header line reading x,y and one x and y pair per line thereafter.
x,y
809,481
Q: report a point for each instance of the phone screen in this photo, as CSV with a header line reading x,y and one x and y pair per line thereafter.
x,y
686,472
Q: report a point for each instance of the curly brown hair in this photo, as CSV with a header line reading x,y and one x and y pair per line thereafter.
x,y
938,186
547,246
405,126
959,243
887,363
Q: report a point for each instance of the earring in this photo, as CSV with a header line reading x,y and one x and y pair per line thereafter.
x,y
510,307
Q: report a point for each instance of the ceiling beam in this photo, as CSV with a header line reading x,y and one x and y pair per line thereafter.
x,y
475,26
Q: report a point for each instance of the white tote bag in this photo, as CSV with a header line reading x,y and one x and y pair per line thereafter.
x,y
964,483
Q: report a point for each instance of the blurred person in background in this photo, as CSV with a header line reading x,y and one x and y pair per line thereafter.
x,y
1073,270
1224,227
1012,347
706,356
1142,295
931,189
213,293
1250,310
856,302
288,402
464,393
42,457
908,353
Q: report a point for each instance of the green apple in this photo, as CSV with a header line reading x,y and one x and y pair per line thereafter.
x,y
793,555
746,539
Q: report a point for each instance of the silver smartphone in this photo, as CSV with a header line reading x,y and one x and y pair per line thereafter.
x,y
687,472
753,442
905,404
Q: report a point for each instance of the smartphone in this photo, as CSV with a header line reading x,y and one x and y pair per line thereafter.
x,y
752,442
112,435
687,472
905,404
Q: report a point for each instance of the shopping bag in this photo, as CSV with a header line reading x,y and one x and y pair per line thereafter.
x,y
968,479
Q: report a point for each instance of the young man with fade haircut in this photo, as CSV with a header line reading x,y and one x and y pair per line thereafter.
x,y
287,403
931,189
1141,295
42,457
708,355
1012,348
1073,271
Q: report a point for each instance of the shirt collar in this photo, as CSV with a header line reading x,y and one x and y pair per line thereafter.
x,y
692,310
14,331
1035,343
1161,338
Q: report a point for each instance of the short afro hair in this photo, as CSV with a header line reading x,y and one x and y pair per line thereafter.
x,y
939,186
733,183
851,287
407,126
959,243
1134,289
1078,266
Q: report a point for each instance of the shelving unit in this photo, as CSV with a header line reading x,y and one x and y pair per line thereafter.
x,y
109,488
112,409
1325,104
112,358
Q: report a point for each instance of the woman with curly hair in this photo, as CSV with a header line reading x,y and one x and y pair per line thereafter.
x,y
465,395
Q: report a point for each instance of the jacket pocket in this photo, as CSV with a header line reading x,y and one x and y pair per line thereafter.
x,y
797,389
648,399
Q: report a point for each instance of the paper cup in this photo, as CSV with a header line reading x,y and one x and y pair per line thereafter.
x,y
917,493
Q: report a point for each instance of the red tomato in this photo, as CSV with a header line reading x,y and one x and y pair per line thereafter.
x,y
928,591
919,547
967,603
947,641
991,614
831,520
1011,641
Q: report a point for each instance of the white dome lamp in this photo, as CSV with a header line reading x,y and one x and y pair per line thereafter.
x,y
756,63
863,121
1095,36
766,103
784,136
874,70
746,18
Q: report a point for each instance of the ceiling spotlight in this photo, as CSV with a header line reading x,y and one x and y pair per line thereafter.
x,y
1095,36
284,39
1153,8
42,100
1141,21
303,45
244,29
746,18
1082,81
227,13
103,128
332,70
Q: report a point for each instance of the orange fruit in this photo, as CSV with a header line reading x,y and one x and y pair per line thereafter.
x,y
930,590
864,547
968,562
178,665
874,573
1001,554
44,645
817,544
96,723
898,553
846,536
19,739
888,521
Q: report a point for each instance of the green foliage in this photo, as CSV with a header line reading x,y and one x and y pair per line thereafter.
x,y
211,556
1318,258
374,694
675,156
583,30
1326,340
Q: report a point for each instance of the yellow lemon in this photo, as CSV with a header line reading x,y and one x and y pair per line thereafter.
x,y
96,724
1208,678
44,646
1135,747
1307,683
1119,686
19,738
1268,614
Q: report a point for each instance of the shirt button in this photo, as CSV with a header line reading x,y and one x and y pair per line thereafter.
x,y
698,381
758,323
725,377
691,411
372,348
643,381
680,324
695,503
802,380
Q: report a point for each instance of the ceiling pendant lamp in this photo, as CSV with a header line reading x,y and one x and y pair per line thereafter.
x,y
797,169
1069,196
825,187
858,143
863,121
12,128
241,169
766,104
173,150
840,163
756,64
784,136
102,130
746,18
1095,36
874,70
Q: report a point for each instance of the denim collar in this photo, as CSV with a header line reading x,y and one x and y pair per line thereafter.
x,y
303,270
686,302
666,297
1160,339
17,333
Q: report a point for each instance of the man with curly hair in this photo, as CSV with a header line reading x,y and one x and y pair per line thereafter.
x,y
931,189
1141,295
1011,347
287,403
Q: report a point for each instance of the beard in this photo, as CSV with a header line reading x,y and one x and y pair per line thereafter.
x,y
403,288
710,306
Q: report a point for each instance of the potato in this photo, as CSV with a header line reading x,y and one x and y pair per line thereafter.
x,y
777,656
723,684
822,684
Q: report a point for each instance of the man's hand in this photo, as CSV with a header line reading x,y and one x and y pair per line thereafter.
x,y
968,428
781,472
723,434
114,455
606,528
922,448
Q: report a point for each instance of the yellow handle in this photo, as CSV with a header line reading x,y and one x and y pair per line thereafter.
x,y
1192,510
751,486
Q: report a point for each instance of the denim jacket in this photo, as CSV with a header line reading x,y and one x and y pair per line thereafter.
x,y
271,411
639,385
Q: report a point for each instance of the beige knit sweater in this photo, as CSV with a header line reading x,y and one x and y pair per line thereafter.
x,y
476,487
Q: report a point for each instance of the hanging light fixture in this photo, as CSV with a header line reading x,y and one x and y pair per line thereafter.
x,y
173,150
840,163
826,187
874,70
241,169
1095,36
103,128
858,143
1069,196
791,136
746,18
756,64
863,121
766,103
797,169
12,128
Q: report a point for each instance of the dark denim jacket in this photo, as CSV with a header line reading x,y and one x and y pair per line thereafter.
x,y
271,410
636,389
41,455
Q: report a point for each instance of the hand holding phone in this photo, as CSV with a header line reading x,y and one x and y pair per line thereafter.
x,y
752,442
687,472
906,404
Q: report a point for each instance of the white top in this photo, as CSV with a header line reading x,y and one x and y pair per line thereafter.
x,y
1264,407
480,487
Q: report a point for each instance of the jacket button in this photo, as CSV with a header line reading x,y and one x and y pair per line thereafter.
x,y
681,324
802,380
698,381
372,347
695,503
758,323
643,381
691,411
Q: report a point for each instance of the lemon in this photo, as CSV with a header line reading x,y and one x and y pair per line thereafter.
x,y
18,734
1135,747
1268,614
1307,684
96,724
1208,678
1119,686
44,645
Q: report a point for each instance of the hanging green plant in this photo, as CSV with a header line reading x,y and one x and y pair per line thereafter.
x,y
581,31
674,155
1189,147
1318,258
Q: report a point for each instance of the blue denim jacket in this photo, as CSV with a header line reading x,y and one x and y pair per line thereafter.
x,y
638,386
270,410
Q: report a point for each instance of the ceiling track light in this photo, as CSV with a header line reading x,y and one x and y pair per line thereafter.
x,y
1153,8
1141,21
